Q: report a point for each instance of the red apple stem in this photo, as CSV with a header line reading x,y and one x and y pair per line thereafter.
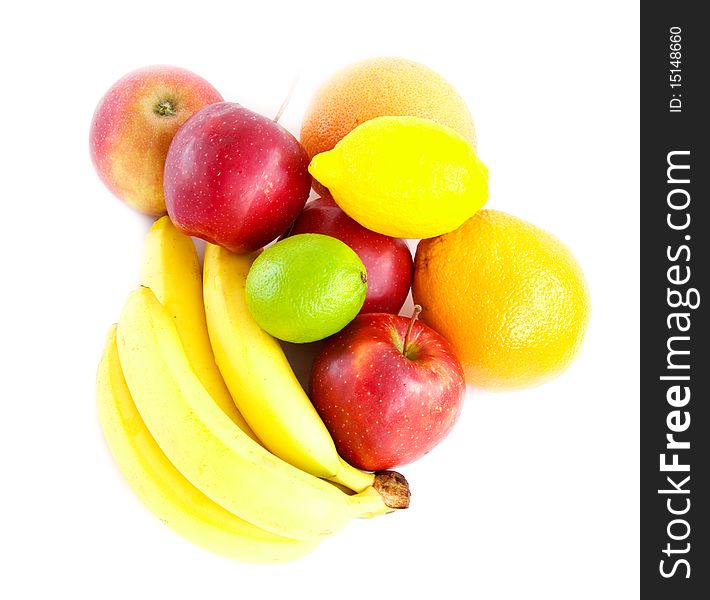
x,y
415,314
286,101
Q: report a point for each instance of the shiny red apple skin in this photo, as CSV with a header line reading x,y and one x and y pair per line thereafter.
x,y
235,178
388,260
385,409
133,125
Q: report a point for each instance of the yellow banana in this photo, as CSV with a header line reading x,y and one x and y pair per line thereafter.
x,y
161,487
260,377
170,267
209,450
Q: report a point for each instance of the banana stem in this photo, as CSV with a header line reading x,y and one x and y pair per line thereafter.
x,y
368,504
352,478
393,488
389,492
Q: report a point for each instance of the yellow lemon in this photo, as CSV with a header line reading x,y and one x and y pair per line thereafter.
x,y
510,297
404,177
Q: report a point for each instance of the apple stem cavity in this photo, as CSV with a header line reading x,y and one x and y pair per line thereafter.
x,y
286,101
165,108
415,313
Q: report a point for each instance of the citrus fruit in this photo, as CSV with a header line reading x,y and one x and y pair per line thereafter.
x,y
380,87
306,287
509,296
404,177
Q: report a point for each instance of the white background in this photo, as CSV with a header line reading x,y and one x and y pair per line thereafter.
x,y
535,493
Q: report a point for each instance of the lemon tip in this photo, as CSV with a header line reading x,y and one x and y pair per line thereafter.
x,y
324,167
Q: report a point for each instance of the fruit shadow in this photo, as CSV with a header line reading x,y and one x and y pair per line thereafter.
x,y
301,357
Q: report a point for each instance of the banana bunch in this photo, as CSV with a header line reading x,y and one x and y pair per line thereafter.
x,y
208,423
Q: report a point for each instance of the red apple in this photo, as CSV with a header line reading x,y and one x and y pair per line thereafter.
x,y
388,389
133,126
388,260
235,178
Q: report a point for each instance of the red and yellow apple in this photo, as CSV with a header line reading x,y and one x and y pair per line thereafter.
x,y
133,126
388,389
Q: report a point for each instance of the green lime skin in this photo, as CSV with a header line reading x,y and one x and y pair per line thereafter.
x,y
306,287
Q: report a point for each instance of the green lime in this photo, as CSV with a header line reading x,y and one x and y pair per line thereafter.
x,y
306,287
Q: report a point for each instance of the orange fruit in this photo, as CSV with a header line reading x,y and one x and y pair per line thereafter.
x,y
381,87
509,296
